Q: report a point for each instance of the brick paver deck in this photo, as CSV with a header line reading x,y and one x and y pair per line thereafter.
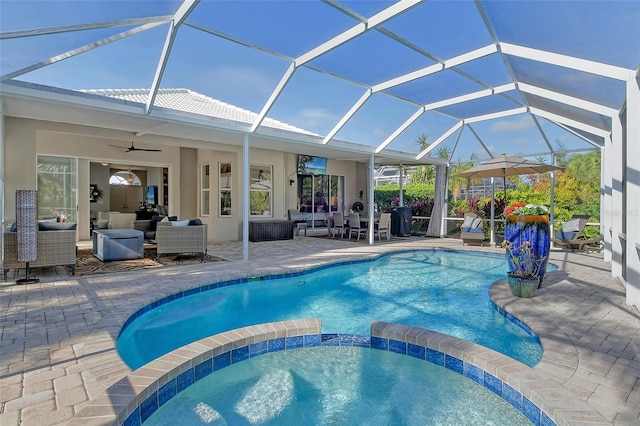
x,y
57,347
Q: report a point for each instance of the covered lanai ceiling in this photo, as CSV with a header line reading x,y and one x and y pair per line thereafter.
x,y
360,77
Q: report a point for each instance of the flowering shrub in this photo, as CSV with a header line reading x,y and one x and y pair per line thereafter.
x,y
422,208
522,260
524,209
498,208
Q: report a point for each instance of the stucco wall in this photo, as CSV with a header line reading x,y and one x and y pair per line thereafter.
x,y
25,139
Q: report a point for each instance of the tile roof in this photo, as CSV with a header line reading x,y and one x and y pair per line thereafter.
x,y
193,102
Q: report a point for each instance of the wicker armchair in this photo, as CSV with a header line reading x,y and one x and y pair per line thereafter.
x,y
54,248
122,220
181,239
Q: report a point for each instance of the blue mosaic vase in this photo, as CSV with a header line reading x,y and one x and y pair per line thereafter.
x,y
533,228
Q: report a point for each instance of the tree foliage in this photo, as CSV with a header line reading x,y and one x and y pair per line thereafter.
x,y
576,191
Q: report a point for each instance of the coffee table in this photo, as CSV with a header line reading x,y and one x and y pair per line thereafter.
x,y
118,244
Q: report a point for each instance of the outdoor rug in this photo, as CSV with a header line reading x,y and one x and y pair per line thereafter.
x,y
88,264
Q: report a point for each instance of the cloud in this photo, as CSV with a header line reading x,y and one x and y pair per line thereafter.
x,y
311,118
520,124
380,132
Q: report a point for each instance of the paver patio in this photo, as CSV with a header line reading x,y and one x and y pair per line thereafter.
x,y
58,351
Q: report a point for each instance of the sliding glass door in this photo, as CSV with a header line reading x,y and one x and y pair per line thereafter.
x,y
57,188
320,194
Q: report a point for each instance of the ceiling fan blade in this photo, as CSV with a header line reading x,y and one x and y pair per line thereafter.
x,y
145,149
133,148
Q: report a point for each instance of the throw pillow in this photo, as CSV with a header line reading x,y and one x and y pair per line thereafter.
x,y
165,219
180,222
560,234
476,222
571,226
468,221
56,226
195,222
154,221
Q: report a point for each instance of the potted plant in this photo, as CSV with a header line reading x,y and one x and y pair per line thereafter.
x,y
529,223
525,265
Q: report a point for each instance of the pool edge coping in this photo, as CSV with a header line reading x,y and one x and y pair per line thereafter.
x,y
139,394
101,334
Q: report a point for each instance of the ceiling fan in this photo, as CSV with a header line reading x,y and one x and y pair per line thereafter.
x,y
133,148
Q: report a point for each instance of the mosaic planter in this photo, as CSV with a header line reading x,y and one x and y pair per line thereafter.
x,y
532,228
522,286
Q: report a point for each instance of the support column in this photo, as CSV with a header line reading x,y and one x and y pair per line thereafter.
x,y
82,200
2,189
631,265
245,197
606,206
616,213
370,200
617,166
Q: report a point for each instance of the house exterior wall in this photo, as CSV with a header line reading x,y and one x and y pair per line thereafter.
x,y
188,181
25,139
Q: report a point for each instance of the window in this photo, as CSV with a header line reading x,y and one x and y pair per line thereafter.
x,y
224,186
57,184
125,177
260,190
204,190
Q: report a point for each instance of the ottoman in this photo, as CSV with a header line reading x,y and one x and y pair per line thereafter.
x,y
118,244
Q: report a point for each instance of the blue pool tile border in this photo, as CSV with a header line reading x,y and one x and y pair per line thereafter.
x,y
472,372
176,385
244,280
169,390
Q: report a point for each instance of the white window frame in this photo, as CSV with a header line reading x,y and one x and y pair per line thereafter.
x,y
205,189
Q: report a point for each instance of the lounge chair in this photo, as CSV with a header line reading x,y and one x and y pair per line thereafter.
x,y
572,234
471,229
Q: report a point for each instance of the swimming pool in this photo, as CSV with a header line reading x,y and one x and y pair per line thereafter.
x,y
336,385
441,290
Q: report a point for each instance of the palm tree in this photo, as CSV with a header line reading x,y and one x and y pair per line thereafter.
x,y
456,183
425,173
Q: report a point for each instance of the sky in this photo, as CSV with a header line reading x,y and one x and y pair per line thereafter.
x,y
314,98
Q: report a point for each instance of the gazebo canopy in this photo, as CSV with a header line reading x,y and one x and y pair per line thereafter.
x,y
479,78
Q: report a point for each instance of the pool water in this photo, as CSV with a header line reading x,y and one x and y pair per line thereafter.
x,y
336,386
440,290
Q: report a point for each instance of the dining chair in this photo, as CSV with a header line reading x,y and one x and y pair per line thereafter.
x,y
383,226
338,225
296,217
355,226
